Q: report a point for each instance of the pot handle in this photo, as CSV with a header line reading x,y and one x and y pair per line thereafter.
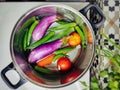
x,y
7,81
96,18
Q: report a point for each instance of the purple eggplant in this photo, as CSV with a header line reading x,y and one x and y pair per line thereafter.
x,y
44,50
43,25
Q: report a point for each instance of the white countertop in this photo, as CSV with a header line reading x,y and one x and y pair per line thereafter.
x,y
9,15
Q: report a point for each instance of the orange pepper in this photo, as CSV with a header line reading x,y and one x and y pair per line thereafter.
x,y
45,61
74,39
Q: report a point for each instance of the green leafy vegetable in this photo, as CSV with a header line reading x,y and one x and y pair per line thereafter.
x,y
85,85
113,71
103,73
94,84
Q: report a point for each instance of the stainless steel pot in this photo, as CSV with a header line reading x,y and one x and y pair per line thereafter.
x,y
81,65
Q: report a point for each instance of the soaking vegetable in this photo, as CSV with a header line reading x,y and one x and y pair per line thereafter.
x,y
61,27
25,40
45,61
62,22
41,41
79,31
31,31
74,39
48,42
71,76
65,32
64,50
43,25
58,56
44,50
64,64
28,22
44,70
20,34
83,28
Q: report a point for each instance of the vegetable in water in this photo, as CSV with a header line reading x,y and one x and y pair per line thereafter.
x,y
65,32
79,31
43,70
43,25
19,36
58,56
74,39
64,50
61,27
64,63
44,50
25,40
31,31
83,29
61,22
86,32
71,76
41,41
45,61
47,45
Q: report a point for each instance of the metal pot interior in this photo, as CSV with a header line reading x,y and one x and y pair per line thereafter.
x,y
81,64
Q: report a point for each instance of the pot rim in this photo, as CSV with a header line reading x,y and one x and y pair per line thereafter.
x,y
36,8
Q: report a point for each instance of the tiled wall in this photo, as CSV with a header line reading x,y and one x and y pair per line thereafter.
x,y
112,29
111,11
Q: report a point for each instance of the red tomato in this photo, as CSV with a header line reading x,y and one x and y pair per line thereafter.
x,y
71,76
64,63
